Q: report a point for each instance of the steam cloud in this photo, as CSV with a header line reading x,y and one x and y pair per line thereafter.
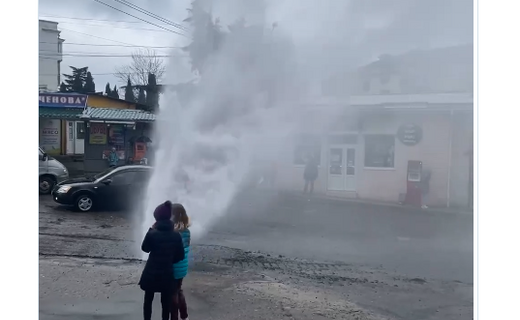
x,y
246,104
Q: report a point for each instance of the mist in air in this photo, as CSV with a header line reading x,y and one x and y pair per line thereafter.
x,y
253,64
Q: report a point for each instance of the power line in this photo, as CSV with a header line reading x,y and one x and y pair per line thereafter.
x,y
142,54
131,15
91,19
102,55
55,57
56,54
151,14
112,26
111,45
95,74
46,57
91,35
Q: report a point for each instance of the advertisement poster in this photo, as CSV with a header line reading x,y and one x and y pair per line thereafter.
x,y
98,133
120,154
116,136
50,136
409,134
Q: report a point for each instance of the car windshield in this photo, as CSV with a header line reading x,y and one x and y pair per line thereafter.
x,y
102,174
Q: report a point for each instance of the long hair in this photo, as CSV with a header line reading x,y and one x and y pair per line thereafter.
x,y
181,221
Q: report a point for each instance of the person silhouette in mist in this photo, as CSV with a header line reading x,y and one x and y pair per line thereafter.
x,y
166,248
310,174
424,184
150,154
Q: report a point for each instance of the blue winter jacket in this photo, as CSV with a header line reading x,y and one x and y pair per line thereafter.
x,y
113,159
180,269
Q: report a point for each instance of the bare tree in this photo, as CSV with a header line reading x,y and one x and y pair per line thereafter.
x,y
144,61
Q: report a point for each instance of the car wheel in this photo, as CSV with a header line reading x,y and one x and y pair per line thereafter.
x,y
84,203
46,184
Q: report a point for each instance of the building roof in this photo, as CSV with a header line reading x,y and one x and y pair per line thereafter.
x,y
117,115
398,101
60,113
137,105
419,99
47,21
439,70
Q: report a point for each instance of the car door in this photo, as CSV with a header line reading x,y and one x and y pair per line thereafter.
x,y
140,182
43,163
137,189
115,193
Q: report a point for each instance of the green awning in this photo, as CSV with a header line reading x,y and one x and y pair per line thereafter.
x,y
61,113
105,114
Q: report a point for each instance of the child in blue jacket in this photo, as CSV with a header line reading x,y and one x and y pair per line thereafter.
x,y
180,269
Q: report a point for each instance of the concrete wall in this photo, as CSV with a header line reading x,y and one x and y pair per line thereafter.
x,y
93,157
49,55
460,165
290,176
385,184
382,85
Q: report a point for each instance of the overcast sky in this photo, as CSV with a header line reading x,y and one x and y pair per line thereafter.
x,y
357,31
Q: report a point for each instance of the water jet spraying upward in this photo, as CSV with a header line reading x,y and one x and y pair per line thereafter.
x,y
235,112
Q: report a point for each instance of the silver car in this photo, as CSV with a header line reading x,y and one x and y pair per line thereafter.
x,y
51,172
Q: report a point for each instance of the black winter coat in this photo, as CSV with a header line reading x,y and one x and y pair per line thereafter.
x,y
166,248
311,171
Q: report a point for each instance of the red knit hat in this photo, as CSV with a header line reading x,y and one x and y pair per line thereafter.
x,y
163,211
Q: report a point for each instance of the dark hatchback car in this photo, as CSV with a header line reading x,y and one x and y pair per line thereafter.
x,y
115,187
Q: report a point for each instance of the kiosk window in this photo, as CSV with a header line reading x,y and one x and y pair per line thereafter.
x,y
379,151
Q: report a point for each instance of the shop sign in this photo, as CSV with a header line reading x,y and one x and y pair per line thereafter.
x,y
50,133
409,134
62,100
98,133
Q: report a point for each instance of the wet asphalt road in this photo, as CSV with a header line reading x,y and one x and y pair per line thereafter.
x,y
403,264
413,243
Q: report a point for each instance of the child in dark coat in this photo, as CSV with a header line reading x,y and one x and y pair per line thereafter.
x,y
165,248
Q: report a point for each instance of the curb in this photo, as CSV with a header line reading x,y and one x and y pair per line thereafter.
x,y
405,208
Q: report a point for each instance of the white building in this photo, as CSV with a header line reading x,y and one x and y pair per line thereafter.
x,y
359,131
50,55
442,70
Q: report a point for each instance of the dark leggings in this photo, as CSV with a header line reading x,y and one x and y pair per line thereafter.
x,y
165,302
179,305
307,184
